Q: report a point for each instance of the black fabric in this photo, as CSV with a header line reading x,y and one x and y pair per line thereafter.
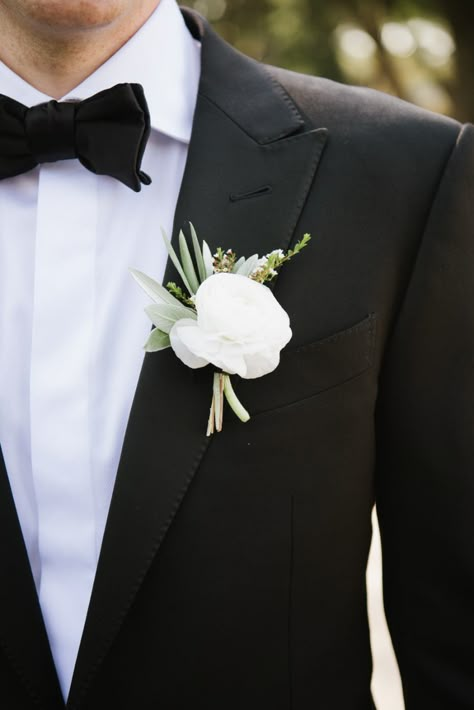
x,y
107,133
232,571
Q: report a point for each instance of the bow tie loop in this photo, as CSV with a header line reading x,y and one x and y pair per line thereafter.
x,y
107,132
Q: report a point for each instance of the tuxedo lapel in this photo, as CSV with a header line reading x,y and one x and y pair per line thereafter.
x,y
23,636
250,165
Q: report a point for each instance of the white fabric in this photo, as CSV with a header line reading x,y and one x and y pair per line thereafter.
x,y
72,324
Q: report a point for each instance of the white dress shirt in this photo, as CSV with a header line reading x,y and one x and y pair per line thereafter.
x,y
72,325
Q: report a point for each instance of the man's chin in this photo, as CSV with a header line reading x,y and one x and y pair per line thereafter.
x,y
69,15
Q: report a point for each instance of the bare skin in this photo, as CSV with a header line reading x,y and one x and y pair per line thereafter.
x,y
55,44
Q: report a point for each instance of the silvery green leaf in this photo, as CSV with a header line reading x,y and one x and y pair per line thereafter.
x,y
248,266
238,264
208,260
164,316
155,290
157,340
187,262
176,262
198,254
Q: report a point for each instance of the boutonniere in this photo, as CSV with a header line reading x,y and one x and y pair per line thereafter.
x,y
227,317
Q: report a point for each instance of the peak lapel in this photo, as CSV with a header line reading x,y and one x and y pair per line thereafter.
x,y
23,637
249,168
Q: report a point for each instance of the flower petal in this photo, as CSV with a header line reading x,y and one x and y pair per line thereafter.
x,y
240,328
261,364
178,339
231,362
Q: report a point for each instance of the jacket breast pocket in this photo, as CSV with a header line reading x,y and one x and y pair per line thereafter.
x,y
310,369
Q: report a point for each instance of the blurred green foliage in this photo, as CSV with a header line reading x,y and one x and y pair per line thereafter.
x,y
420,50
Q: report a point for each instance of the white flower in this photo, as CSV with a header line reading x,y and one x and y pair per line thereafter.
x,y
259,265
241,328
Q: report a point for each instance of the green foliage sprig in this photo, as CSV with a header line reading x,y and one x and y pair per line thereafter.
x,y
178,293
269,269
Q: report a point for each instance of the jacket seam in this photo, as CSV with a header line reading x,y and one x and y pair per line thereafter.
x,y
287,99
265,141
314,395
366,323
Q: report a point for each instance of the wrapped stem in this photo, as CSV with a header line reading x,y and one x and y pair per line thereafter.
x,y
218,389
222,386
212,416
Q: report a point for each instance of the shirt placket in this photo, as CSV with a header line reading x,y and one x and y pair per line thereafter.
x,y
61,361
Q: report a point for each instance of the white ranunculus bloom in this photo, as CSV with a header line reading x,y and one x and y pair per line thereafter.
x,y
240,329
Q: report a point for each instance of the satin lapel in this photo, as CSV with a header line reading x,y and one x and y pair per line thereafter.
x,y
246,179
23,637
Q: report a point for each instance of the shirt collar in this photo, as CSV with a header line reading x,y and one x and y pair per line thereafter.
x,y
162,56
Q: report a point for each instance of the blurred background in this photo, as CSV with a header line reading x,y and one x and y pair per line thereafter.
x,y
419,50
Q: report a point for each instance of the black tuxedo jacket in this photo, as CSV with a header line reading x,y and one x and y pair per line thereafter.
x,y
232,572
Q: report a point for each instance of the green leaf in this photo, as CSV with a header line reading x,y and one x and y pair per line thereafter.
x,y
153,289
176,262
300,245
187,262
208,259
198,254
157,340
164,317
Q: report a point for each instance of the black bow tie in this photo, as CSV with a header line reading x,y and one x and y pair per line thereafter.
x,y
107,133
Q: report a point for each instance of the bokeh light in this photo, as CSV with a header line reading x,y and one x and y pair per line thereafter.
x,y
398,39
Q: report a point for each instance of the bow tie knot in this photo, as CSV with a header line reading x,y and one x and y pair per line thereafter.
x,y
107,132
50,131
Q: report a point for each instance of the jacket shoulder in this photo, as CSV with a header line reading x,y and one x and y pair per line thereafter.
x,y
352,110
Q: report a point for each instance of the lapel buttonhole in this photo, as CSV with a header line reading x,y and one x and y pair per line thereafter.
x,y
259,192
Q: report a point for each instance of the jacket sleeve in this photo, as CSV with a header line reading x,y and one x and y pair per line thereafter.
x,y
425,454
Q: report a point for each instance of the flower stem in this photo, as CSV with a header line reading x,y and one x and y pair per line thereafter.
x,y
210,423
218,389
233,400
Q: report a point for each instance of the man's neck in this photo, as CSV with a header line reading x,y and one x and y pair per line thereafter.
x,y
59,59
